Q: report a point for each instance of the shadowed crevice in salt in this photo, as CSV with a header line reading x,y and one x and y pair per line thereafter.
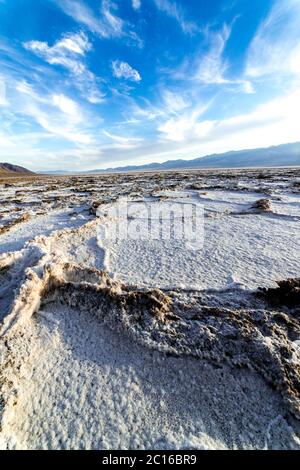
x,y
286,294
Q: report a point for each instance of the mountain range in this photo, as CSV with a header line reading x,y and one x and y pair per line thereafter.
x,y
282,155
276,156
7,169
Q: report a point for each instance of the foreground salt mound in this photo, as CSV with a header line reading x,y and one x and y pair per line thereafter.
x,y
83,317
86,386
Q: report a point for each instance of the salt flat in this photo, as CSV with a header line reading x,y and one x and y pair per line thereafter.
x,y
131,342
253,250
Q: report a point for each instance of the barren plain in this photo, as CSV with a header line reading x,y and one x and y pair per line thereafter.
x,y
133,342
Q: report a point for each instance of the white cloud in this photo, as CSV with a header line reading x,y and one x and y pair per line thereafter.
x,y
64,52
275,48
172,126
175,11
106,25
211,66
172,105
69,52
177,130
50,111
113,23
3,100
272,123
121,139
24,88
174,102
85,16
248,87
136,4
67,106
186,126
124,70
57,126
87,83
77,43
145,112
178,117
122,142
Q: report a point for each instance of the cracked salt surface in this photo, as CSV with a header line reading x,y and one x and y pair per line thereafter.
x,y
84,386
39,225
83,360
251,250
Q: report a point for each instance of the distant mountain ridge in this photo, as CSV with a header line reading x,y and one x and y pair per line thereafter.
x,y
9,169
281,155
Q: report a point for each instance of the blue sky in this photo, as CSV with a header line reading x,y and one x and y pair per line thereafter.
x,y
90,84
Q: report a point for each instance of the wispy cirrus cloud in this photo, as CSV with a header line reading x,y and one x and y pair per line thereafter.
x,y
212,67
123,70
189,135
209,66
69,52
182,118
67,106
3,101
54,112
106,24
123,142
171,105
273,122
174,10
275,47
182,128
174,102
190,99
65,52
175,116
